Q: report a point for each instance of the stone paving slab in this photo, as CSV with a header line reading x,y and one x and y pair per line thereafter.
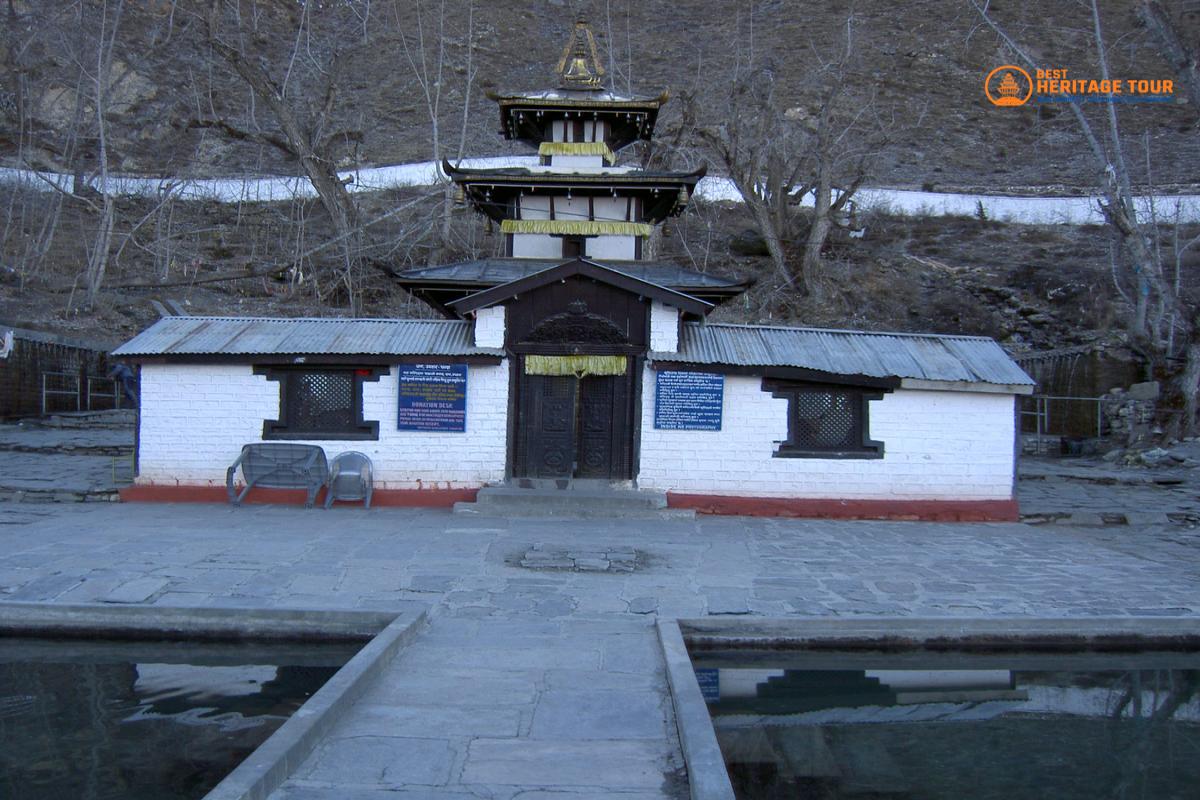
x,y
530,683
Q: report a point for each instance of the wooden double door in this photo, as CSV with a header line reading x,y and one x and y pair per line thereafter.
x,y
569,427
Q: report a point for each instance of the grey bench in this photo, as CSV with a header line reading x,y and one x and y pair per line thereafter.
x,y
278,465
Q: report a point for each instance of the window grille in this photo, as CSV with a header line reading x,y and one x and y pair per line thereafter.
x,y
320,401
320,404
826,421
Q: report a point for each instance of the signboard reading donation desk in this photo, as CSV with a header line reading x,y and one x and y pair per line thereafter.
x,y
433,397
688,401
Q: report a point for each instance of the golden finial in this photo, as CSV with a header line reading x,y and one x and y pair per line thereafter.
x,y
580,67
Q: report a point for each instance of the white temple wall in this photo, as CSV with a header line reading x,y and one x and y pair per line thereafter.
x,y
489,327
578,163
535,207
575,209
664,328
937,446
536,245
195,419
614,248
611,208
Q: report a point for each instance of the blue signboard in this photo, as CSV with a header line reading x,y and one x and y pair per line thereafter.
x,y
688,401
433,397
710,684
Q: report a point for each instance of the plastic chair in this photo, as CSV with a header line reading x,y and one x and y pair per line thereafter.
x,y
350,478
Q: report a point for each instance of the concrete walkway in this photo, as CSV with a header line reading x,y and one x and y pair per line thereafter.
x,y
546,683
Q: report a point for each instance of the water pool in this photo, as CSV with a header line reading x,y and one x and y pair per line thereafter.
x,y
948,725
132,720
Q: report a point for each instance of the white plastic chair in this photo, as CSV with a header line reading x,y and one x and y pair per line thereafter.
x,y
350,478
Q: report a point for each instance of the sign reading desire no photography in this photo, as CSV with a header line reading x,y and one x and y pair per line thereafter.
x,y
688,401
433,397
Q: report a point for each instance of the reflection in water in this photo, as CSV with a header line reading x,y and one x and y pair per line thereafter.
x,y
127,730
962,733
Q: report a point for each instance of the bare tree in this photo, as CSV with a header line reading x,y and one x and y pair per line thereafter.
x,y
302,97
777,155
1162,325
435,50
1173,45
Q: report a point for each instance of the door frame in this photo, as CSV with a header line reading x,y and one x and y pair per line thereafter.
x,y
634,370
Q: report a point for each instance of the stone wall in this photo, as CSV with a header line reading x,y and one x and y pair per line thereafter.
x,y
1129,414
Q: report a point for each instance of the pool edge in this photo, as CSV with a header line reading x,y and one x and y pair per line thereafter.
x,y
274,761
707,777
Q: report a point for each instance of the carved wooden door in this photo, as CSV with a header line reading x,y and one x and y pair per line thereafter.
x,y
601,410
574,427
546,427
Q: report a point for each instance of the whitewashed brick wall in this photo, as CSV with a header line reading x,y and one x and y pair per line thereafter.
x,y
195,419
937,446
664,328
489,327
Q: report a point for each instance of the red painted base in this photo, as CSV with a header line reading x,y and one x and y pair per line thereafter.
x,y
407,498
934,510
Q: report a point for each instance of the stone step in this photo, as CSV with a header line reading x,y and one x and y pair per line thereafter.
x,y
575,501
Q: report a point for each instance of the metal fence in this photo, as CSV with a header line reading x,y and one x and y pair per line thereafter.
x,y
71,391
1060,423
103,393
60,392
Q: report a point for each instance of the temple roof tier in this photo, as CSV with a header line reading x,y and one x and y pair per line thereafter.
x,y
663,194
524,117
443,284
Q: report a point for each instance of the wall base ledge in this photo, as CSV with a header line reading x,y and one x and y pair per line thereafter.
x,y
403,498
916,510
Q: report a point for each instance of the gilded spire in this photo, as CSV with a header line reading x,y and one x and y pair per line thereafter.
x,y
580,67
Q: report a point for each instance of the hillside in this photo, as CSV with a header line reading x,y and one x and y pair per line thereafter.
x,y
369,74
922,63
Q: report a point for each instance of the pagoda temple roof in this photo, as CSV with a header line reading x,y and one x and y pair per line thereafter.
x,y
587,268
574,98
443,284
613,176
523,116
489,189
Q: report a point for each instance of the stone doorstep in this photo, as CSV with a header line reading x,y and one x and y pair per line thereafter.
x,y
589,499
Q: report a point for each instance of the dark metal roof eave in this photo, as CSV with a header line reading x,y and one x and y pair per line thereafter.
x,y
520,176
913,361
442,277
175,338
591,269
778,370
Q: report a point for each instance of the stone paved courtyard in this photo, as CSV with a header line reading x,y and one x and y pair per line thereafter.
x,y
540,681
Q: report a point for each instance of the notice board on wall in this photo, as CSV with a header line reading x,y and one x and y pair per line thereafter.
x,y
688,401
433,397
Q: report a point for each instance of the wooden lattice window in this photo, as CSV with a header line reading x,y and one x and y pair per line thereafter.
x,y
320,403
826,421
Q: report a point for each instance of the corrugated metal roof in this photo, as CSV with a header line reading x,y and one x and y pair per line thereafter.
x,y
263,336
495,271
928,357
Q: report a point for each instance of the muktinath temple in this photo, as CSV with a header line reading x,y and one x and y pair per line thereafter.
x,y
577,362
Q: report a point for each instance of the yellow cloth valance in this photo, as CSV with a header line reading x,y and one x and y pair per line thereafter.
x,y
576,227
579,366
578,149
